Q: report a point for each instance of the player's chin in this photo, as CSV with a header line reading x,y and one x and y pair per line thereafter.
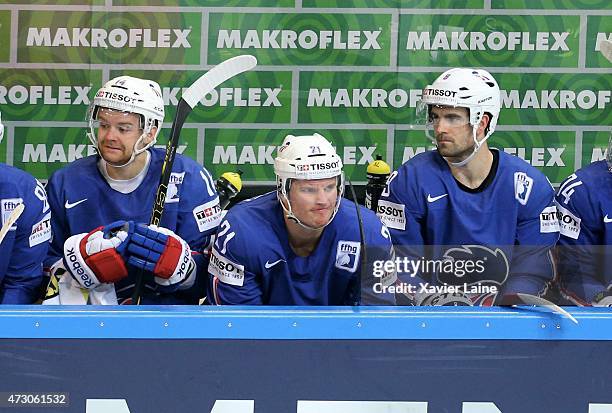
x,y
321,217
447,151
114,158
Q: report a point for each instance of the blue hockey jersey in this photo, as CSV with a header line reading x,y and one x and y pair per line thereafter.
x,y
584,201
25,245
499,235
253,263
81,199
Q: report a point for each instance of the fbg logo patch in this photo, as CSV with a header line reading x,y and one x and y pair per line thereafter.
x,y
347,255
7,206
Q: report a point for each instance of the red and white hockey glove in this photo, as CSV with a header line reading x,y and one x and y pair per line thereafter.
x,y
162,252
95,258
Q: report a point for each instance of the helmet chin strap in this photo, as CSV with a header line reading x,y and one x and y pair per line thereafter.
x,y
477,146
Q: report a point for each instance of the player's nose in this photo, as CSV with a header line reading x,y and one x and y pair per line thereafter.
x,y
440,126
111,134
321,197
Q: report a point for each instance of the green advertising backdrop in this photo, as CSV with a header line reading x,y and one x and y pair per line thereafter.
x,y
5,36
488,40
50,95
350,69
109,37
302,39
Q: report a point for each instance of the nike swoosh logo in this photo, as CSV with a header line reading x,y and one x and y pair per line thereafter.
x,y
68,205
435,198
607,220
269,264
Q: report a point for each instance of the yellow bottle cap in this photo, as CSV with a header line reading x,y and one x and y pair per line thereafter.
x,y
234,179
379,167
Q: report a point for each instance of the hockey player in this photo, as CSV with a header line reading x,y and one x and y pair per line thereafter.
x,y
26,243
474,221
100,204
301,244
584,202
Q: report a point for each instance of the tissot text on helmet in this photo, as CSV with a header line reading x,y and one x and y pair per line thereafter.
x,y
438,92
318,166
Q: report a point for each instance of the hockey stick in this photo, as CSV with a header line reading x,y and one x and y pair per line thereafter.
x,y
605,46
364,252
190,98
10,221
532,300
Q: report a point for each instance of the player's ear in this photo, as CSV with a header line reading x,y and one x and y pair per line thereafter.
x,y
484,123
147,139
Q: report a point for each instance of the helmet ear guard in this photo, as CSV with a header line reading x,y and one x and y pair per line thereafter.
x,y
306,157
130,95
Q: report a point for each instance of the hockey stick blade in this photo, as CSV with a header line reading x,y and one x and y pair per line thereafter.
x,y
189,99
605,46
217,75
528,299
11,220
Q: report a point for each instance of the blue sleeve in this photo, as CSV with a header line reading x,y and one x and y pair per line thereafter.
x,y
536,234
399,210
580,251
23,277
58,223
230,270
198,218
200,213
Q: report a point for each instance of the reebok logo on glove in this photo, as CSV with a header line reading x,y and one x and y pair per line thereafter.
x,y
162,252
77,269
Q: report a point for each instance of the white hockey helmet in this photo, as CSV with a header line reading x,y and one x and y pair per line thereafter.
x,y
474,89
131,95
1,128
306,157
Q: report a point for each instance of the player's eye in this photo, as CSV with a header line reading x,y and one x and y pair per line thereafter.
x,y
455,120
308,189
125,128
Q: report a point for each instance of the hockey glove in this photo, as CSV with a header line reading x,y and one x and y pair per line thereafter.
x,y
162,252
95,258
